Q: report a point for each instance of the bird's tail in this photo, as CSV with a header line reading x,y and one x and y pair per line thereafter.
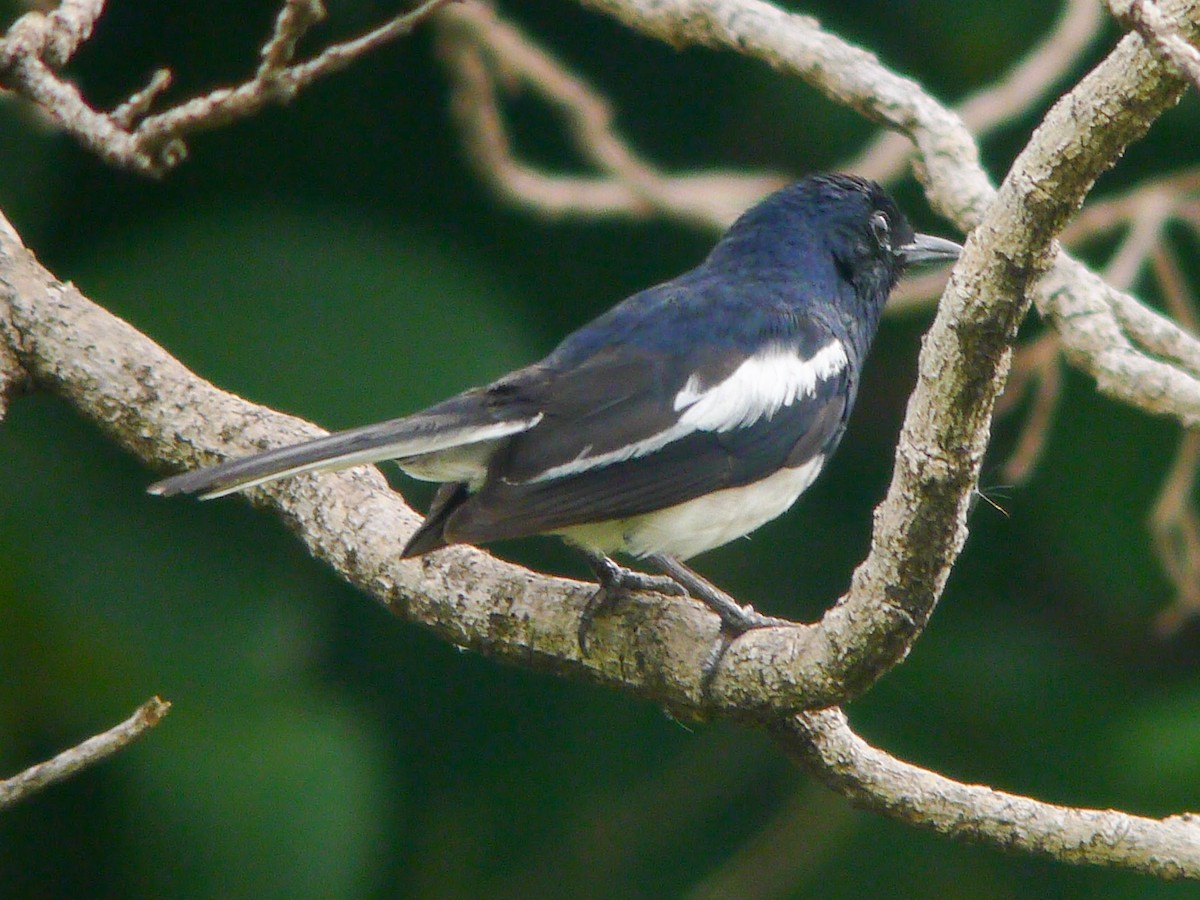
x,y
460,422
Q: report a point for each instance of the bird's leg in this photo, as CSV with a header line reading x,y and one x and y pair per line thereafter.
x,y
736,619
616,581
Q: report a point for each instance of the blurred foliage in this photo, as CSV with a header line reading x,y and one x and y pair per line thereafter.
x,y
337,260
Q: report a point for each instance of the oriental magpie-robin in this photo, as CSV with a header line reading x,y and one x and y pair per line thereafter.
x,y
684,417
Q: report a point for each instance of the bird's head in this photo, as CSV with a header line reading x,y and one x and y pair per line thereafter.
x,y
828,232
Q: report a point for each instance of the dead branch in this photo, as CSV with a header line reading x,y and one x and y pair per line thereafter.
x,y
485,55
1036,370
90,752
1175,527
37,44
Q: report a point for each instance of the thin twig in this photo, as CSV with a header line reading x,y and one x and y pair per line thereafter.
x,y
137,105
293,22
1036,369
1144,234
1169,275
91,751
1175,527
484,53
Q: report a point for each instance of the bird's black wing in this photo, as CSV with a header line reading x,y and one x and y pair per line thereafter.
x,y
636,451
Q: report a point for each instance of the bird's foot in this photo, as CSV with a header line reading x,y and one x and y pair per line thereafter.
x,y
736,619
617,582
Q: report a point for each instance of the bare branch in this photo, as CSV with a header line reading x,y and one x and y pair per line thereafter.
x,y
293,22
1145,233
1036,367
91,751
53,37
824,744
484,54
1029,82
137,105
1094,320
921,525
36,43
1175,527
1156,28
1170,277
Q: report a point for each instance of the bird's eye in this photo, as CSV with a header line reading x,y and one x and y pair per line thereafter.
x,y
881,228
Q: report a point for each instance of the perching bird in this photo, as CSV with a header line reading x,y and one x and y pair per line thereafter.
x,y
686,416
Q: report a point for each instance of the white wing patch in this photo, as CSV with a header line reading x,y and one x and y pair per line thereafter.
x,y
758,388
585,460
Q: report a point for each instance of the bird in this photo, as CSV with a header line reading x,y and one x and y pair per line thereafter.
x,y
686,416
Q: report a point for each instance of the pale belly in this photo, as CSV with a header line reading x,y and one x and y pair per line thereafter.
x,y
690,528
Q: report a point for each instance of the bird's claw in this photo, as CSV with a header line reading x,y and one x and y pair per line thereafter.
x,y
736,620
617,582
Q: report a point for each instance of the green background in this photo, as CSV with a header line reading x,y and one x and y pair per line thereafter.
x,y
337,259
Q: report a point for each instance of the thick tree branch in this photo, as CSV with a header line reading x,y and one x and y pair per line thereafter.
x,y
91,751
823,743
921,525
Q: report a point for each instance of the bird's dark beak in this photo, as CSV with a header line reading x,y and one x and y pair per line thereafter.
x,y
925,248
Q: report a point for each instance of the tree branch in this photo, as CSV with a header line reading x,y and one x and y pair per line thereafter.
x,y
160,411
91,751
1027,83
153,406
1161,32
484,54
823,743
36,44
